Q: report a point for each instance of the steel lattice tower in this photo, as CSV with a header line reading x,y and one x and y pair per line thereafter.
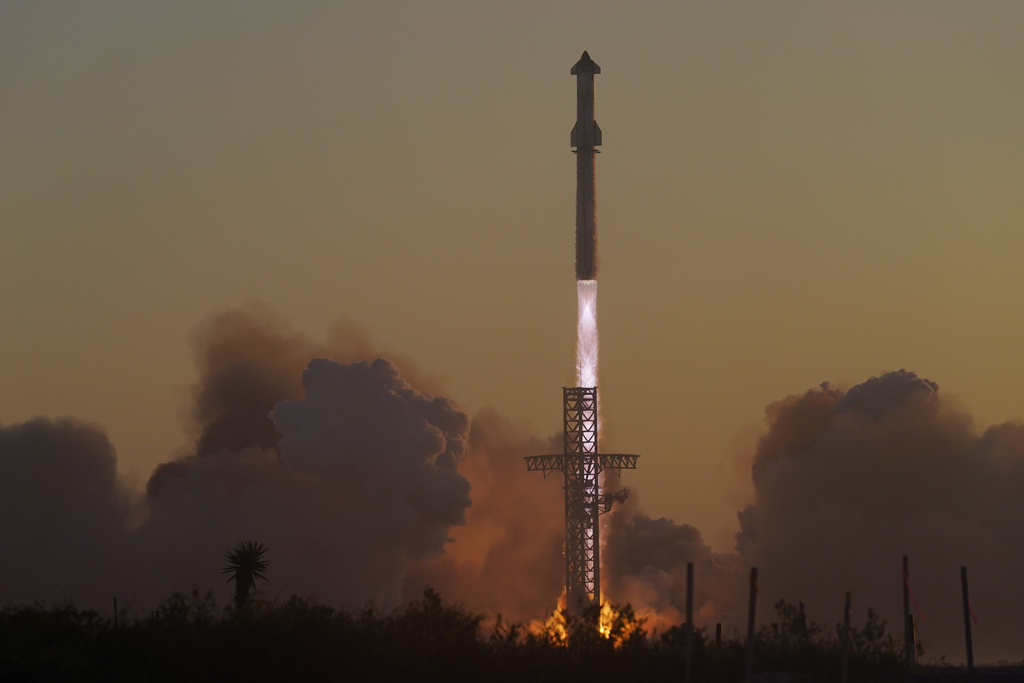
x,y
581,464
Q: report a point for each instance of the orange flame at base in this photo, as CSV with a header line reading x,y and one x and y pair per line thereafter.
x,y
605,620
554,629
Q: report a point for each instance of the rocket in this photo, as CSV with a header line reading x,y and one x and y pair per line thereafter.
x,y
585,137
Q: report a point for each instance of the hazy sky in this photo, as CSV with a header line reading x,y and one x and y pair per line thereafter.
x,y
788,193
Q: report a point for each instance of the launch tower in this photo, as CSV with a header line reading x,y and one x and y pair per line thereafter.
x,y
580,462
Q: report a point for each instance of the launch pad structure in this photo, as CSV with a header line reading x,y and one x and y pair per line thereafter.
x,y
581,463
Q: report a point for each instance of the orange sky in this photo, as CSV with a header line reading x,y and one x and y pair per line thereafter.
x,y
788,193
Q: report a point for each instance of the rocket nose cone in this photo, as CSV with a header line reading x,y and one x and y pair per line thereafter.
x,y
586,65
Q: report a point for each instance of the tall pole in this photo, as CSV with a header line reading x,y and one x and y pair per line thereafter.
x,y
908,624
689,622
749,677
846,640
967,624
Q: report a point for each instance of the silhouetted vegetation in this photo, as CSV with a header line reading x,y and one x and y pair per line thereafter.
x,y
246,563
187,637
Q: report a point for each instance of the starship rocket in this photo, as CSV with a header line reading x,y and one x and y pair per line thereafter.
x,y
586,137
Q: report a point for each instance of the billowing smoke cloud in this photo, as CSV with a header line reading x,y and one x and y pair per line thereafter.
x,y
390,455
366,483
645,561
249,359
354,479
508,558
62,511
348,485
358,481
848,482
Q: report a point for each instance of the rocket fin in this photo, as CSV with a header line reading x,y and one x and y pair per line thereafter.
x,y
574,137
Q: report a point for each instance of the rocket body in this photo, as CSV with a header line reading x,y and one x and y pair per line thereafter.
x,y
585,137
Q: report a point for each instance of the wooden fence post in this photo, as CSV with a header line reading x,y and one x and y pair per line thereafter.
x,y
967,624
750,625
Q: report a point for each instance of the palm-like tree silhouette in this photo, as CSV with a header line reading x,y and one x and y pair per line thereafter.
x,y
246,563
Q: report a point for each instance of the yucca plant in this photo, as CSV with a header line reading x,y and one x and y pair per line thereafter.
x,y
246,563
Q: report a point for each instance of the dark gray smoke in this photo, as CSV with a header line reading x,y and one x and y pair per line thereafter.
x,y
353,480
248,360
62,511
848,482
645,561
348,477
364,481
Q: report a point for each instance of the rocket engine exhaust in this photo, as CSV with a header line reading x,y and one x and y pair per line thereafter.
x,y
586,333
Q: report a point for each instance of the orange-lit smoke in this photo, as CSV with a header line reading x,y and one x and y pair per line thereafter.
x,y
645,566
358,484
507,559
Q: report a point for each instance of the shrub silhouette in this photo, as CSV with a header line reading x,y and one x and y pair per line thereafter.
x,y
188,637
